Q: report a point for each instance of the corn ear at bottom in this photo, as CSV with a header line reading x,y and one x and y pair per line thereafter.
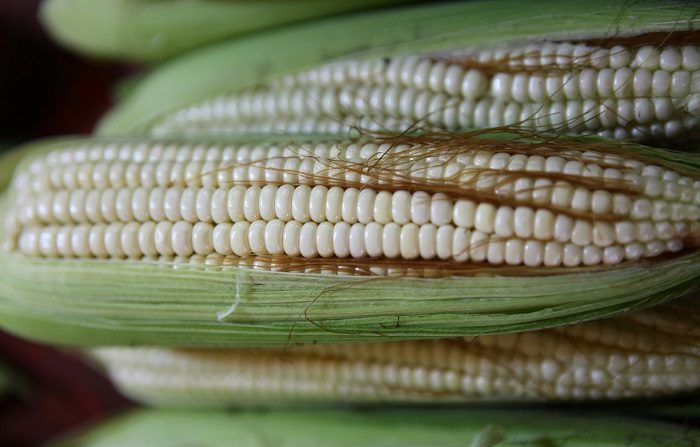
x,y
136,241
546,66
652,353
387,428
147,30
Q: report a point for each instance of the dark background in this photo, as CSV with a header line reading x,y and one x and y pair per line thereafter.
x,y
45,91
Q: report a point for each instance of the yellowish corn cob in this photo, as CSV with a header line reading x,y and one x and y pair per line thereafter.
x,y
648,94
356,201
485,232
650,353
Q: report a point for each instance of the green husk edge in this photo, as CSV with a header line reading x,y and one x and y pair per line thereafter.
x,y
154,30
382,428
253,60
97,302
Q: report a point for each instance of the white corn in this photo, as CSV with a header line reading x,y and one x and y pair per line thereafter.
x,y
644,94
651,353
335,200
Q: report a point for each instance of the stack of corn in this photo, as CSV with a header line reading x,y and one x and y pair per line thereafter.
x,y
443,203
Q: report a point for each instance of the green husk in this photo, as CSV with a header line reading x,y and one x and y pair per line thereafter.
x,y
125,303
620,352
98,302
253,60
474,428
153,30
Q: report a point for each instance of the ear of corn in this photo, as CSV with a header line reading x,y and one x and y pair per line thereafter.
x,y
148,30
93,212
482,428
452,66
419,239
571,88
647,354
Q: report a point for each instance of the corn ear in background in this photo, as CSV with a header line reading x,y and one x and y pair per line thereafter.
x,y
153,30
647,94
482,428
652,353
546,66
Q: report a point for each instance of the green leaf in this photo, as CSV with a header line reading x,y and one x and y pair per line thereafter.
x,y
383,428
153,30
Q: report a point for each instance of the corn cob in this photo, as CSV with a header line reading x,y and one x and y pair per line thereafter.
x,y
147,30
92,211
577,89
649,353
642,83
369,428
353,201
